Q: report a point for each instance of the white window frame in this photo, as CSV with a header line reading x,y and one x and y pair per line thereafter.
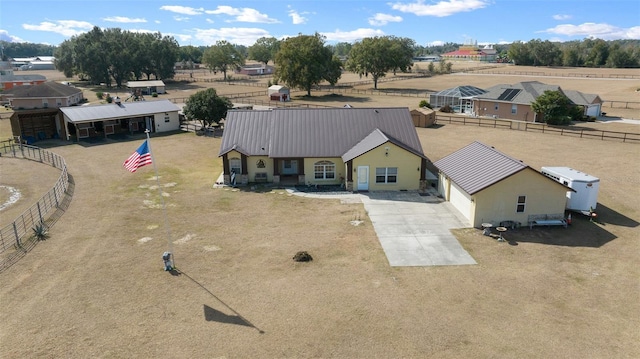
x,y
387,175
521,205
235,164
514,108
324,170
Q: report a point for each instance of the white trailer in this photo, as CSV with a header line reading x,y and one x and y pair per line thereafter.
x,y
585,197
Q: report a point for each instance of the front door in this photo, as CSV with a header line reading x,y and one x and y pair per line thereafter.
x,y
363,178
289,167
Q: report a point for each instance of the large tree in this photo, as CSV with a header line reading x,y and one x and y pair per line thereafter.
x,y
304,61
264,49
554,107
379,55
207,107
222,57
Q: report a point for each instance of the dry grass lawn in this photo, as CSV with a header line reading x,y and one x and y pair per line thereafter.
x,y
96,288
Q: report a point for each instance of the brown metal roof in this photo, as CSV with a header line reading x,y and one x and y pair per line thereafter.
x,y
325,132
43,90
478,166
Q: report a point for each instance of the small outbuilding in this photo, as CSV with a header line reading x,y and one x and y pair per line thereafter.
x,y
423,117
279,93
147,87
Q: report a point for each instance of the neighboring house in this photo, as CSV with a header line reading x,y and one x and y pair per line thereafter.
x,y
147,87
488,186
514,101
256,69
35,108
361,148
45,95
460,98
119,118
278,93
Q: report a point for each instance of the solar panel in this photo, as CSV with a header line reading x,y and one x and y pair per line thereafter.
x,y
509,94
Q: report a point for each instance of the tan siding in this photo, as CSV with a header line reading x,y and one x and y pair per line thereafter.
x,y
407,163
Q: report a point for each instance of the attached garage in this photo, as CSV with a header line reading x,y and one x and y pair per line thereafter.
x,y
460,200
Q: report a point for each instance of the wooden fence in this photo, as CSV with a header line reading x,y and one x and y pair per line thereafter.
x,y
540,128
568,74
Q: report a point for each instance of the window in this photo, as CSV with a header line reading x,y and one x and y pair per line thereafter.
x,y
521,204
387,175
235,165
514,108
496,106
324,170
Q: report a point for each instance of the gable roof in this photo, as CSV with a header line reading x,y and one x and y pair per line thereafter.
x,y
527,92
21,78
150,83
323,132
113,111
478,166
43,90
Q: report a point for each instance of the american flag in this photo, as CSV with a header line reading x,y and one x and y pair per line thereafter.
x,y
141,157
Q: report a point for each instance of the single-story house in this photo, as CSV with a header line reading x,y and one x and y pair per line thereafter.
x,y
460,98
514,101
362,149
9,80
488,186
471,51
118,117
147,87
36,115
256,69
45,95
278,93
423,117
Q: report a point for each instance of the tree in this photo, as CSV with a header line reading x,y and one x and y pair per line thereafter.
x,y
207,107
520,54
222,56
554,107
620,58
598,54
379,55
264,50
304,61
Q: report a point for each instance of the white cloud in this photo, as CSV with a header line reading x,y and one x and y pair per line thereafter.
x,y
351,36
182,38
181,18
243,14
184,10
297,18
561,17
593,30
436,43
123,19
380,19
4,36
157,21
440,9
235,35
63,27
209,21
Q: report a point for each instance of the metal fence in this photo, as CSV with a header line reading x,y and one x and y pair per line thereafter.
x,y
16,238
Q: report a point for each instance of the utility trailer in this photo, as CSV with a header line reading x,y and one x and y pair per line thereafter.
x,y
585,197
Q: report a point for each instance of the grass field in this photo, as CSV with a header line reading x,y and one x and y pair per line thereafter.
x,y
96,288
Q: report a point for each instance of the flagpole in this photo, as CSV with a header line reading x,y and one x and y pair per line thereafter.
x,y
164,207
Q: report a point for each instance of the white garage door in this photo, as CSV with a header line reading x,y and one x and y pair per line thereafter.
x,y
461,201
593,110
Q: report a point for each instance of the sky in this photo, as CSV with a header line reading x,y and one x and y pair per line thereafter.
x,y
427,22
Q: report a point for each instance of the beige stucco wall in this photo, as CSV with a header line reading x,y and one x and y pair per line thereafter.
x,y
252,165
34,103
408,167
498,202
309,170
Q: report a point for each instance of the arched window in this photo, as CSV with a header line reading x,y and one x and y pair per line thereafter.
x,y
235,165
324,170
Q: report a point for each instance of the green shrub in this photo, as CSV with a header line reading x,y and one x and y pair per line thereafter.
x,y
40,232
109,99
100,95
446,109
154,94
425,103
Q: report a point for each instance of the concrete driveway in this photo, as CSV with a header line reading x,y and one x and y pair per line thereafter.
x,y
414,230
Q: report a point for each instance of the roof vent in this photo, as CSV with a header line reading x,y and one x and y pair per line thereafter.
x,y
116,100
